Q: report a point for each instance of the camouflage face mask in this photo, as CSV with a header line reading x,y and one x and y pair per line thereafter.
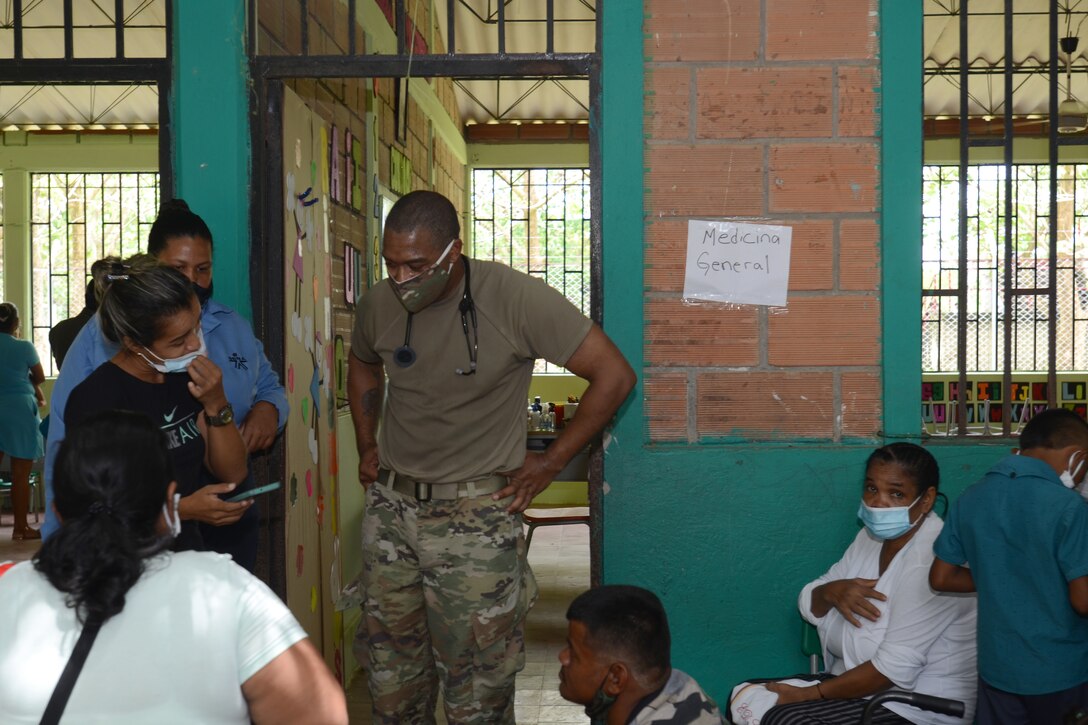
x,y
415,293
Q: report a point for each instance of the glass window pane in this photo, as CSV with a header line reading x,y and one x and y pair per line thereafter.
x,y
535,220
75,220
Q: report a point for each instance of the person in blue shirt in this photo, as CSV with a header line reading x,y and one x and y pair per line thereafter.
x,y
180,239
1019,537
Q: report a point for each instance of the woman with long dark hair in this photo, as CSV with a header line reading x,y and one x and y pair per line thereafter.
x,y
180,637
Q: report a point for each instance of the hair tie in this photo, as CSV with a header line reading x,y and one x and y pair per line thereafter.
x,y
100,507
118,270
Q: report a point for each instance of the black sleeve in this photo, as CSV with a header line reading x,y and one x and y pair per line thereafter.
x,y
95,393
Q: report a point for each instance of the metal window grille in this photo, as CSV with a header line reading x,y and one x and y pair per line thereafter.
x,y
1002,266
75,220
538,222
985,265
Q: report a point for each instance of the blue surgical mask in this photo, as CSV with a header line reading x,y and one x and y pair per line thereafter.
x,y
176,364
887,523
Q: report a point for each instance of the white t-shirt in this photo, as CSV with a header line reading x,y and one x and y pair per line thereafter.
x,y
923,641
194,628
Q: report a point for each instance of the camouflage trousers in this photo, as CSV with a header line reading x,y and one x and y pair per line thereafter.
x,y
446,590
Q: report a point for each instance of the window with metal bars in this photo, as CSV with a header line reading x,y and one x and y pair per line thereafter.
x,y
985,265
537,221
75,220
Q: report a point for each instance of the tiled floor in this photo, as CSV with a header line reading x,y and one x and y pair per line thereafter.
x,y
559,556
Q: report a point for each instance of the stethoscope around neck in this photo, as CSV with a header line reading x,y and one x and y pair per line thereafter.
x,y
404,356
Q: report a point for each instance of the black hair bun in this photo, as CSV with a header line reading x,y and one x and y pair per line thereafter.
x,y
174,205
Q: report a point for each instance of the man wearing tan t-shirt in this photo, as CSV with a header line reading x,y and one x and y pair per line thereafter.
x,y
447,474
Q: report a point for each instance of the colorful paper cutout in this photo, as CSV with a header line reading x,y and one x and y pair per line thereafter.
x,y
294,489
296,327
298,561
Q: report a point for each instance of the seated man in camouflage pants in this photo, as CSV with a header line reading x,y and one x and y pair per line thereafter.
x,y
616,663
446,584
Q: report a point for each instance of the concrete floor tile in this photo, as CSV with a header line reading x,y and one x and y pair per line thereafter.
x,y
562,714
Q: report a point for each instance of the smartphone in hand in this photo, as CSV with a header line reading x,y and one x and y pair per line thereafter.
x,y
250,493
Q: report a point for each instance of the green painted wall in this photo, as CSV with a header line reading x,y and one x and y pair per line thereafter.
x,y
727,534
210,125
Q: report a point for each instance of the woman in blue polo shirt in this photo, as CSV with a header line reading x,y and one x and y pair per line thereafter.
x,y
180,239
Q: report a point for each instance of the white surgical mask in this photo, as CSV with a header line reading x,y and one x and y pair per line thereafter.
x,y
1069,478
174,522
176,364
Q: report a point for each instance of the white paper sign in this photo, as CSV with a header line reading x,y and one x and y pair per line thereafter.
x,y
744,264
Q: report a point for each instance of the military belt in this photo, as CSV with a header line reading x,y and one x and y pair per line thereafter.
x,y
422,491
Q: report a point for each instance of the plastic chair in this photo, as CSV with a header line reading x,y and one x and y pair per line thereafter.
x,y
570,489
558,495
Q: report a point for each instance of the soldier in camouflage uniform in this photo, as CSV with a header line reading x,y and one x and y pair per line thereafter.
x,y
452,346
617,663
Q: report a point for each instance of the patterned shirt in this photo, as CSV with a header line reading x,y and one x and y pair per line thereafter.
x,y
680,702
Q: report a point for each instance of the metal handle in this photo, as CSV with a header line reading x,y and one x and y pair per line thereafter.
x,y
941,705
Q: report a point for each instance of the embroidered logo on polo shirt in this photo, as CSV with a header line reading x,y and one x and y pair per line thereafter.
x,y
238,361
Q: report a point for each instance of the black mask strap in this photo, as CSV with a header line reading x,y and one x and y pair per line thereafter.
x,y
598,708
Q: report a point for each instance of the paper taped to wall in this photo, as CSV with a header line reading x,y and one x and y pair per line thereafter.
x,y
737,263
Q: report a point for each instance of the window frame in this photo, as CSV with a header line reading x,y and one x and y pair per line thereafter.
x,y
26,153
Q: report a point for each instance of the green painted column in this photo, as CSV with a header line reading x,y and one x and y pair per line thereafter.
x,y
622,223
210,133
901,214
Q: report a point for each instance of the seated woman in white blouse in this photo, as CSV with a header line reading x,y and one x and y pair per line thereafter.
x,y
880,624
186,637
